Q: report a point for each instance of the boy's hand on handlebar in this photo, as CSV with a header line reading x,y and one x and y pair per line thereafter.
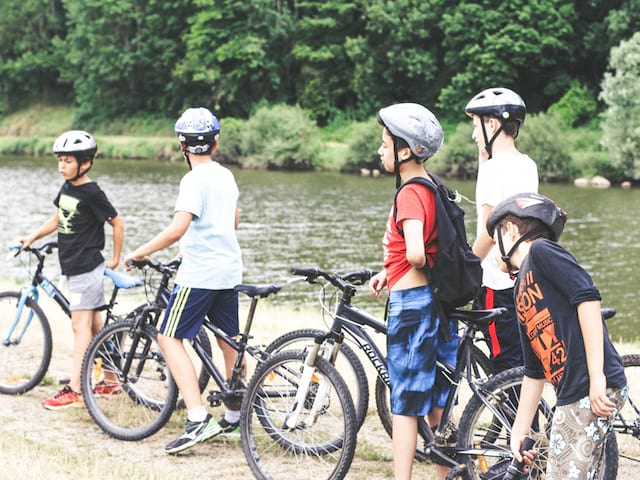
x,y
377,283
131,258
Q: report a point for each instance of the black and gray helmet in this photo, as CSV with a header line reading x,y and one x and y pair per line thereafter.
x,y
498,102
76,143
530,205
416,125
527,205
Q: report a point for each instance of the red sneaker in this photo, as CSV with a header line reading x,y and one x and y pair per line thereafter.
x,y
107,389
65,398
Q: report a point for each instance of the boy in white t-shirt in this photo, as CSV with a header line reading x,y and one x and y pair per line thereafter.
x,y
205,221
498,114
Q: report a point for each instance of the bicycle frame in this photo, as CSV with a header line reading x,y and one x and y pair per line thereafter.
x,y
40,280
353,321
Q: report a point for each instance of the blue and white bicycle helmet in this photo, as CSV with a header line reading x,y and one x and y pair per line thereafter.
x,y
198,130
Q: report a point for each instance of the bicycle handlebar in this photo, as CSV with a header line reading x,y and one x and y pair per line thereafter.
x,y
46,248
337,280
160,267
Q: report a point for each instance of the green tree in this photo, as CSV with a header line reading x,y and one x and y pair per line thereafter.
x,y
322,28
238,54
621,93
28,61
119,54
397,57
522,44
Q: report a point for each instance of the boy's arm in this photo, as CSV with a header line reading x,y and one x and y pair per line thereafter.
x,y
590,320
482,245
414,241
530,395
49,226
118,239
166,238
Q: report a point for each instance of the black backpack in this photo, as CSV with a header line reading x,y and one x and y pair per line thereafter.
x,y
456,276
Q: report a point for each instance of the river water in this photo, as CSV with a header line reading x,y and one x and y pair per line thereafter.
x,y
326,219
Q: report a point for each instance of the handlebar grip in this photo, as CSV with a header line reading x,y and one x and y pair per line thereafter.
x,y
137,263
359,277
515,470
312,272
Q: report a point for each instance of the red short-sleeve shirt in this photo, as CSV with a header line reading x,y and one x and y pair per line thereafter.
x,y
415,202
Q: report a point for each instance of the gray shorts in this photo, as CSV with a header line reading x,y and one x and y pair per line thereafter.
x,y
86,291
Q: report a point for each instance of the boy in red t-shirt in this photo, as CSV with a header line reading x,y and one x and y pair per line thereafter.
x,y
410,135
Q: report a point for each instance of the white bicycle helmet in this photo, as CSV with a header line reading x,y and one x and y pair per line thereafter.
x,y
75,142
498,102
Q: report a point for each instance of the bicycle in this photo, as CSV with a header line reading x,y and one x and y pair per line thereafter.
x,y
439,445
130,350
261,424
627,422
479,427
26,344
347,361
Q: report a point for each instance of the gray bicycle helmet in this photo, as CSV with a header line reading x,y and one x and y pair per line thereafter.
x,y
498,102
75,142
416,125
198,129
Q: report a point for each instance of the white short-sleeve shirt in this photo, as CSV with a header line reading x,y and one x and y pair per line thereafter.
x,y
211,256
499,178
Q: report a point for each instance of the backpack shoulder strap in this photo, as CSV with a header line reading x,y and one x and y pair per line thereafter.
x,y
420,181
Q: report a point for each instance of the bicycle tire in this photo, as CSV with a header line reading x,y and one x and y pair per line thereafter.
x,y
481,428
323,449
148,392
481,369
627,422
203,339
23,365
347,363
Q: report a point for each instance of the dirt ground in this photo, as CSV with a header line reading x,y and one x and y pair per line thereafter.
x,y
49,445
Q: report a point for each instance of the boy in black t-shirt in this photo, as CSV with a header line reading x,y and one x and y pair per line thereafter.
x,y
81,210
564,338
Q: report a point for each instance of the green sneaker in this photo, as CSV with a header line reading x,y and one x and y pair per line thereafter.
x,y
229,430
194,432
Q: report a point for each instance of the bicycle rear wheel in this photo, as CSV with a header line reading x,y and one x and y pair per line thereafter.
x,y
480,370
26,354
627,423
148,394
347,363
155,316
488,425
321,444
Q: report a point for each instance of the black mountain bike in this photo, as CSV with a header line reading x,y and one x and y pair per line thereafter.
x,y
440,444
130,350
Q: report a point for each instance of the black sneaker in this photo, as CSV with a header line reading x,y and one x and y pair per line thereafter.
x,y
229,430
194,432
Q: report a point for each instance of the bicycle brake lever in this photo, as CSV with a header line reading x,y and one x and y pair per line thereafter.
x,y
12,254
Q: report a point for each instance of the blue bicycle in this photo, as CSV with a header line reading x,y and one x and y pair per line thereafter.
x,y
25,332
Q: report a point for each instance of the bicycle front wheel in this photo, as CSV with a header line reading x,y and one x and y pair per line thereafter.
x,y
347,363
146,396
321,443
25,344
488,426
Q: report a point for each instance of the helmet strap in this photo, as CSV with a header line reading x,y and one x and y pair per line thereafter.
x,y
506,257
397,162
488,143
79,173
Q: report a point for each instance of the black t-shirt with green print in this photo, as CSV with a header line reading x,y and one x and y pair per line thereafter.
x,y
82,211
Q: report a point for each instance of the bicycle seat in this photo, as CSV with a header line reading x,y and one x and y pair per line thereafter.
x,y
122,280
478,317
607,313
261,291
